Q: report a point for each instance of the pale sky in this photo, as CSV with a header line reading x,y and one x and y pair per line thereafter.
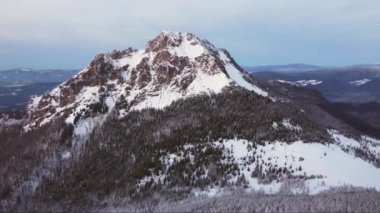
x,y
69,33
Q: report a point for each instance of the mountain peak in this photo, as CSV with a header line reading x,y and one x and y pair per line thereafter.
x,y
182,44
176,35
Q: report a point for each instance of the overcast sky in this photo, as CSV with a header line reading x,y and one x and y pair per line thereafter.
x,y
69,33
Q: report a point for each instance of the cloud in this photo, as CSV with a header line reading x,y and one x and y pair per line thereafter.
x,y
250,29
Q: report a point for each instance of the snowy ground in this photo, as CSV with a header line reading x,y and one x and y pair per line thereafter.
x,y
335,166
303,83
325,165
359,82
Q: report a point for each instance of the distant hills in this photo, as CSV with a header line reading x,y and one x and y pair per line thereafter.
x,y
17,85
359,83
354,91
283,68
305,67
30,76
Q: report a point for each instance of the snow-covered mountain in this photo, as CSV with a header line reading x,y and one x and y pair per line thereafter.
x,y
173,65
179,118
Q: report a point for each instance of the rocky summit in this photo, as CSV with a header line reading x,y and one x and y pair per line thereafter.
x,y
173,65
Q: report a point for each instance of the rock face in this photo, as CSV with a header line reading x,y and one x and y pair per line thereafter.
x,y
172,66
